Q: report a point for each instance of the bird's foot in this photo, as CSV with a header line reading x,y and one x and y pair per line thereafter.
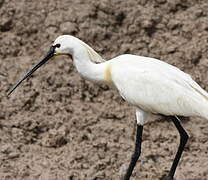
x,y
164,177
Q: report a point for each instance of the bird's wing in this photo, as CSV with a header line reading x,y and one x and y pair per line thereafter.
x,y
156,87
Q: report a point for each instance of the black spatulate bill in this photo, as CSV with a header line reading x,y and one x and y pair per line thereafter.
x,y
49,55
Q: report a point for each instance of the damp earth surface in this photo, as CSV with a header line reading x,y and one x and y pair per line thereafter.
x,y
60,126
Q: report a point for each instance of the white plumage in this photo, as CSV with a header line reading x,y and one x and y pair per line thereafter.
x,y
151,85
147,83
157,87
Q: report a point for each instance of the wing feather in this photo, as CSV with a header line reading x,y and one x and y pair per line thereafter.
x,y
157,87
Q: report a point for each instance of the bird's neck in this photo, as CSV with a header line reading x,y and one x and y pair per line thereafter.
x,y
88,69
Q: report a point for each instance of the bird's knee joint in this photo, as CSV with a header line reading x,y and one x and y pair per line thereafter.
x,y
184,136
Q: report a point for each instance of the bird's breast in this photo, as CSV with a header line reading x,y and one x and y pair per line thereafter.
x,y
108,74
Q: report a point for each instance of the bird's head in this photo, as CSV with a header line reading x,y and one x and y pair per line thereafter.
x,y
62,46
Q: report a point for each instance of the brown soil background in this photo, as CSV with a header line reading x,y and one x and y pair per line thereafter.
x,y
58,126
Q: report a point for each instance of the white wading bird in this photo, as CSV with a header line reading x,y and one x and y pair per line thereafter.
x,y
151,85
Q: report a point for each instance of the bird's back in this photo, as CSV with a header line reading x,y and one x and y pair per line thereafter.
x,y
158,87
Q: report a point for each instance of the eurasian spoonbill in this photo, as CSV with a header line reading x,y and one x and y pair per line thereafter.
x,y
151,85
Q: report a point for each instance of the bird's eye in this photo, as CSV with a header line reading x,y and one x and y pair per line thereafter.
x,y
57,45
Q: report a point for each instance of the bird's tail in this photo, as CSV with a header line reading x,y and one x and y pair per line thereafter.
x,y
203,104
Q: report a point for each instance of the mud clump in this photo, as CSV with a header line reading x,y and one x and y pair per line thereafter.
x,y
59,126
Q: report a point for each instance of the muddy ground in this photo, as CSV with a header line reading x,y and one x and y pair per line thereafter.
x,y
57,126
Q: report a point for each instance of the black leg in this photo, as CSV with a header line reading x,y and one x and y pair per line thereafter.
x,y
183,140
136,153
